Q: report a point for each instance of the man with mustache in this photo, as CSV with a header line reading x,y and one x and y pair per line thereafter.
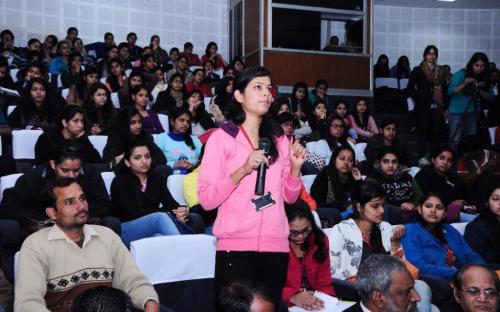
x,y
385,285
58,263
477,288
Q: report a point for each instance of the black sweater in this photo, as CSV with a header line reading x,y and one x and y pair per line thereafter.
x,y
164,102
449,187
51,141
129,203
483,236
376,145
322,190
25,199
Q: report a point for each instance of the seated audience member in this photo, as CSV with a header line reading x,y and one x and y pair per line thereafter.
x,y
333,45
135,50
36,109
193,59
129,127
101,48
161,84
87,59
117,77
49,48
362,121
137,64
333,188
198,84
439,178
211,78
124,52
319,92
201,120
100,114
483,234
52,258
437,249
150,120
228,72
182,69
244,297
478,168
299,102
24,202
104,65
388,137
477,288
318,120
34,70
402,191
381,68
309,262
70,128
73,73
333,139
402,68
172,97
133,80
288,123
148,71
212,55
385,285
137,192
60,63
160,55
223,97
181,149
173,56
238,64
79,92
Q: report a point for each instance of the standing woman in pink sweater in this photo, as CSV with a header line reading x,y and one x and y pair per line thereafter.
x,y
252,235
362,121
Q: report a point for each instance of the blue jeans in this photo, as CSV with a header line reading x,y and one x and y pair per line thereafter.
x,y
461,124
153,224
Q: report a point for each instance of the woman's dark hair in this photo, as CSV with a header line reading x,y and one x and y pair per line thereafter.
x,y
133,144
366,192
299,85
332,141
442,149
321,82
176,112
60,43
388,121
491,220
122,126
428,49
29,109
201,108
71,58
300,210
89,105
134,73
103,299
124,45
69,112
112,79
340,185
362,123
228,68
287,117
382,69
438,231
198,70
154,37
137,89
54,39
341,101
268,126
81,86
209,45
237,60
172,78
386,150
485,74
223,99
403,67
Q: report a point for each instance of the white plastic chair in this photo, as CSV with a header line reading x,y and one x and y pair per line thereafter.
x,y
8,181
164,121
127,72
359,149
92,53
99,142
23,143
103,80
308,181
219,72
403,83
10,109
59,81
194,67
1,148
386,82
174,185
13,74
107,177
460,227
207,101
115,99
64,93
310,146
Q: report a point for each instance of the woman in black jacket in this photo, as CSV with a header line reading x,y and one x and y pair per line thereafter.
x,y
426,87
100,113
172,97
128,128
201,120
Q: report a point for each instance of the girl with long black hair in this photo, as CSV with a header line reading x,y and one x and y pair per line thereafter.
x,y
362,121
100,114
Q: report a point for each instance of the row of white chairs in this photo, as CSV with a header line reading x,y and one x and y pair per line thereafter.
x,y
391,83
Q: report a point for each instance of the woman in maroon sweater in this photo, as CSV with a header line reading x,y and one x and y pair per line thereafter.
x,y
309,262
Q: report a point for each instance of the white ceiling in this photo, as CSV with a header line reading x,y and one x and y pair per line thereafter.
x,y
458,4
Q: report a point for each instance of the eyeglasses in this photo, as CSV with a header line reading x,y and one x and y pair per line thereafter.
x,y
303,232
490,293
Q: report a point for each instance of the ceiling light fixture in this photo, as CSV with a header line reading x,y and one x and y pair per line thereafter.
x,y
446,0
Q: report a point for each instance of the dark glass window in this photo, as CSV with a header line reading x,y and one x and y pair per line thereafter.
x,y
356,5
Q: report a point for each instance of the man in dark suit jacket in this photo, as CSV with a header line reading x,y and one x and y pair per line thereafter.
x,y
385,284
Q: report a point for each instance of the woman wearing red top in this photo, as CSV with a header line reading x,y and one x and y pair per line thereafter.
x,y
211,54
198,84
309,262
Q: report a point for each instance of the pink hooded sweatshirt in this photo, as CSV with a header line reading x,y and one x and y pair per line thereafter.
x,y
239,226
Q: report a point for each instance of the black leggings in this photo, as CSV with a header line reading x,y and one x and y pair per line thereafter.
x,y
267,269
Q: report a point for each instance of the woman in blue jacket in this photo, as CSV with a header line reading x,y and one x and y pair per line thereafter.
x,y
437,249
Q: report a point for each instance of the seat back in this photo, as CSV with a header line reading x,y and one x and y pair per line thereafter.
x,y
23,143
107,177
174,185
10,109
386,82
99,142
359,150
64,93
307,181
164,121
8,181
403,83
13,74
207,101
181,267
460,227
115,99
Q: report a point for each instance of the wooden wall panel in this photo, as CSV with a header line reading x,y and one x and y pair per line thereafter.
x,y
252,60
341,72
251,27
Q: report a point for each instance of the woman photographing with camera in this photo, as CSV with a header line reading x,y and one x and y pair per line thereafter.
x,y
252,230
468,88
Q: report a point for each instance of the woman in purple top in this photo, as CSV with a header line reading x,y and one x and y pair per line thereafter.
x,y
150,121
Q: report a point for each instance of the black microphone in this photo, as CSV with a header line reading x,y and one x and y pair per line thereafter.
x,y
264,145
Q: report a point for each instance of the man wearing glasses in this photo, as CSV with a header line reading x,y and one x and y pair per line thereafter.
x,y
477,288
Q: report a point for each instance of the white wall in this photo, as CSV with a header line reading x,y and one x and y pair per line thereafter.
x,y
457,33
175,21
